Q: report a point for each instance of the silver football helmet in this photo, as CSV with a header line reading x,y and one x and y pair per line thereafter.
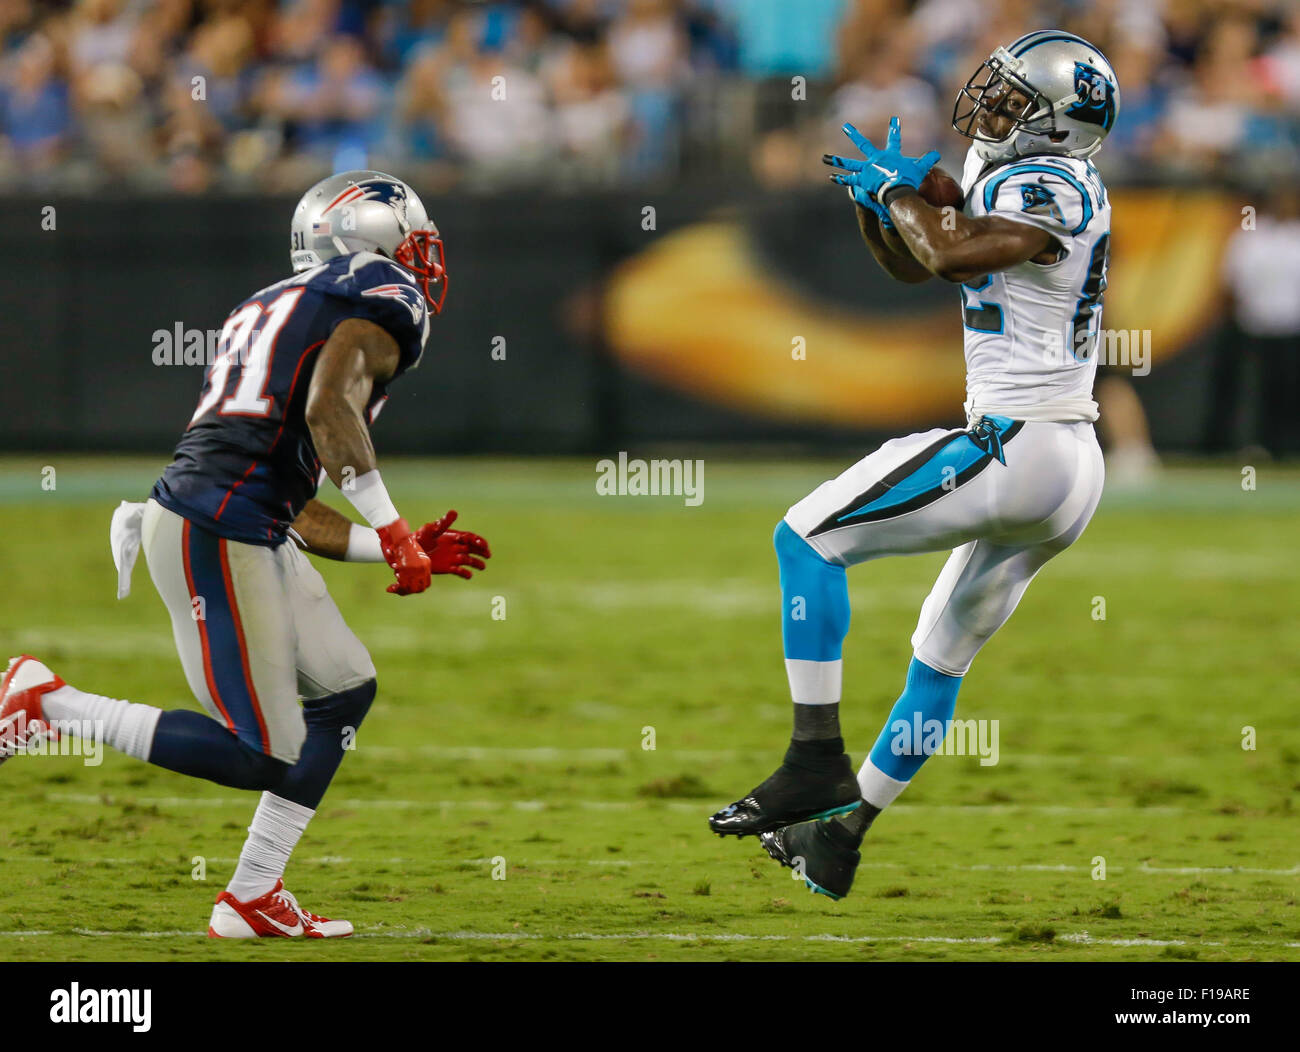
x,y
1073,98
366,211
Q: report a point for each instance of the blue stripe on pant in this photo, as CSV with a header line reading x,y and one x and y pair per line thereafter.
x,y
915,485
224,653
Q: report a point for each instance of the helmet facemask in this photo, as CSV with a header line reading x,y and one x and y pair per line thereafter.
x,y
368,211
1048,92
421,253
1002,93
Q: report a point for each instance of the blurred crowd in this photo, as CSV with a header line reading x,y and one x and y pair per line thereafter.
x,y
188,96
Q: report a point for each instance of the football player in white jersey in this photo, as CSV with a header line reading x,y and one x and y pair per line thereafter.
x,y
1017,486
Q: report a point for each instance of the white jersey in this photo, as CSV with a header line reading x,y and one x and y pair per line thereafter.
x,y
1032,329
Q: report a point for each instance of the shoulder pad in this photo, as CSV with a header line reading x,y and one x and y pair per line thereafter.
x,y
1057,193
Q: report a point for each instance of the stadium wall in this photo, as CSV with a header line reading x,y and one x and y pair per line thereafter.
x,y
573,324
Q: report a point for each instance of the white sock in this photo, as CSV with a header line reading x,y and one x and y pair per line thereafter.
x,y
814,682
878,789
124,725
273,834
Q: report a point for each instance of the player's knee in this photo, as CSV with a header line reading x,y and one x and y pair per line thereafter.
x,y
793,553
816,598
341,710
800,561
796,551
786,541
256,770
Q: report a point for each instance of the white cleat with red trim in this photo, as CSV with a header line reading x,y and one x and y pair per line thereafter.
x,y
276,913
21,719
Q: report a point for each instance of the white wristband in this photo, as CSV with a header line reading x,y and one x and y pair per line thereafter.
x,y
363,546
368,495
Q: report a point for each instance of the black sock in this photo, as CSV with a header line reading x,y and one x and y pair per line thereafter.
x,y
820,756
815,722
855,824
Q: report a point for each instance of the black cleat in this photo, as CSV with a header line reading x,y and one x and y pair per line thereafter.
x,y
792,794
818,852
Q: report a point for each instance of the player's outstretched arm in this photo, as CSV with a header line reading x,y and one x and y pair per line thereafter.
x,y
866,179
899,265
321,530
963,247
358,355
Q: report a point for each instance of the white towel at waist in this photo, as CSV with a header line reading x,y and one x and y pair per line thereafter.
x,y
124,539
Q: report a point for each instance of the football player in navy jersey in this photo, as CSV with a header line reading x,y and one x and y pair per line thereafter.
x,y
302,368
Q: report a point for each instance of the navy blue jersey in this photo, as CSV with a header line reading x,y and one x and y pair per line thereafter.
x,y
246,465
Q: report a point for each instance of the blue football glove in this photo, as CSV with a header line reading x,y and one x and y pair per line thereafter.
x,y
882,213
883,170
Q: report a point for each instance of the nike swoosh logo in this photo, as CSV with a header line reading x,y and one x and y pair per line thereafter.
x,y
297,929
886,171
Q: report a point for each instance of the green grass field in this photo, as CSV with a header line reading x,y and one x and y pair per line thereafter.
x,y
521,739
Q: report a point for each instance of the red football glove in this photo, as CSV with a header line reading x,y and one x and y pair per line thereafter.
x,y
452,551
406,557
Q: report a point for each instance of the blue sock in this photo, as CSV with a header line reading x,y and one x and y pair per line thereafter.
x,y
328,719
814,599
191,743
814,621
912,731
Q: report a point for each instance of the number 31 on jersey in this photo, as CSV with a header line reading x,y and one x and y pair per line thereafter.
x,y
246,348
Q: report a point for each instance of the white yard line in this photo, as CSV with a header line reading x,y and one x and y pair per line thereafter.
x,y
702,806
550,754
512,860
1294,871
612,754
1085,939
1082,938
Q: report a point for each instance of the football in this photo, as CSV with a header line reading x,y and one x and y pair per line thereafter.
x,y
941,189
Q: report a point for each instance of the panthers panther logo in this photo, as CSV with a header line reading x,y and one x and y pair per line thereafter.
x,y
1038,200
1096,93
